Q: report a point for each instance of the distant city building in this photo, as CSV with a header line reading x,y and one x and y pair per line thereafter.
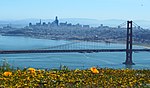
x,y
63,24
44,24
49,22
101,26
39,24
56,22
105,26
78,25
69,24
86,26
30,24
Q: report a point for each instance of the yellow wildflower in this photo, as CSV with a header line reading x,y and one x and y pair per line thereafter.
x,y
31,70
38,71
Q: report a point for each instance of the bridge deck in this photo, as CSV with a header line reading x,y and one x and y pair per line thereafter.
x,y
67,51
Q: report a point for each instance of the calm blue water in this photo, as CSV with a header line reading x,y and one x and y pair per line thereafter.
x,y
72,60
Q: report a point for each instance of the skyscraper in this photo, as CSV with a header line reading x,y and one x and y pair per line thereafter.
x,y
56,21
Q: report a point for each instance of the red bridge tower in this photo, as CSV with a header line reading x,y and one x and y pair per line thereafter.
x,y
129,44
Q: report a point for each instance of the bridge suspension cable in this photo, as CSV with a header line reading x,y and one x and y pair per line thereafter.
x,y
63,46
135,24
122,24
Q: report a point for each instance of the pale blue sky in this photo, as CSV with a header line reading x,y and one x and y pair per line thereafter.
x,y
93,9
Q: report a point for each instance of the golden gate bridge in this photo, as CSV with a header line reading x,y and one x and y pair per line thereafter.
x,y
67,48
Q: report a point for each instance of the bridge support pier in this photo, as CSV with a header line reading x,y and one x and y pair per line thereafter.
x,y
129,44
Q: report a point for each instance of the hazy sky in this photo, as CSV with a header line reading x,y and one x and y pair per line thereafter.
x,y
93,9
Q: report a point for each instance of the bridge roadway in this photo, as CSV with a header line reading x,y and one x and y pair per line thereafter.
x,y
68,51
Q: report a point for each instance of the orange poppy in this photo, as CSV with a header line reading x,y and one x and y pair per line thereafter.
x,y
7,73
94,70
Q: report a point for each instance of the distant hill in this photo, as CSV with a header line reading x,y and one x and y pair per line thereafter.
x,y
91,22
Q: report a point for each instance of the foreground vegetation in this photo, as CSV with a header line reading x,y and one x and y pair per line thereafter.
x,y
64,78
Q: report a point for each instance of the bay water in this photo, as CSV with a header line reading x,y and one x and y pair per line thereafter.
x,y
71,60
